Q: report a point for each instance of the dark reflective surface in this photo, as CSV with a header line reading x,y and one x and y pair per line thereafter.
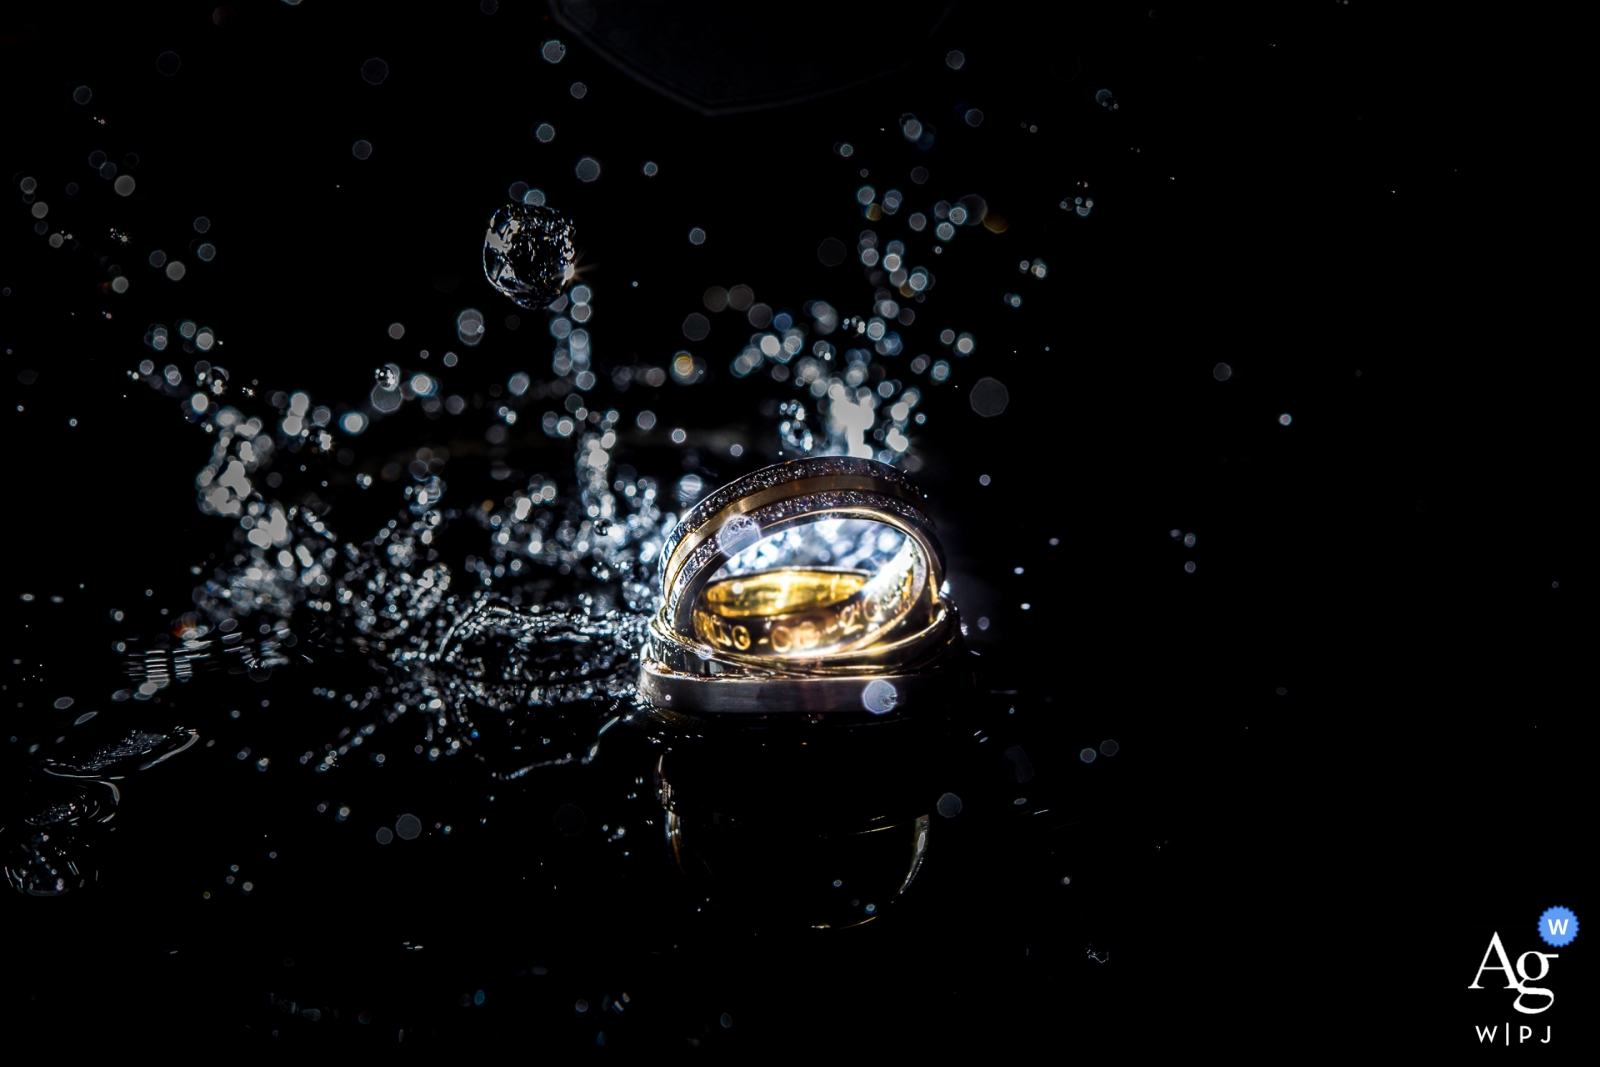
x,y
802,822
395,788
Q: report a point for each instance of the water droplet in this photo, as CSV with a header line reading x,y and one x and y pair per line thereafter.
x,y
737,534
879,696
528,253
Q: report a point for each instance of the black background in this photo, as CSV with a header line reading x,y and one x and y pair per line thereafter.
x,y
1347,205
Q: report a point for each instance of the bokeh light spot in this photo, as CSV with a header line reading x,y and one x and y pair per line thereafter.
x,y
988,397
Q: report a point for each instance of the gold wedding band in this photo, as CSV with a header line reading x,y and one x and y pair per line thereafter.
x,y
809,612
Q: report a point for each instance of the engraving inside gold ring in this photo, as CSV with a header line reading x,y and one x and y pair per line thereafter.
x,y
809,611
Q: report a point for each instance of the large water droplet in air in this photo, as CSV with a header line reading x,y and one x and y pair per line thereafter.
x,y
528,253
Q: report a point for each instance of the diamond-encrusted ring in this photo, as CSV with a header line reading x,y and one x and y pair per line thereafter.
x,y
736,529
781,481
801,586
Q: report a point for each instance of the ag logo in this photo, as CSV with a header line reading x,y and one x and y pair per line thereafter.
x,y
1557,927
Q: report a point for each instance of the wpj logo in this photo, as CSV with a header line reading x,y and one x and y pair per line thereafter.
x,y
1557,927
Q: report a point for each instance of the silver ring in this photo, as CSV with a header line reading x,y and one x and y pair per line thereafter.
x,y
780,481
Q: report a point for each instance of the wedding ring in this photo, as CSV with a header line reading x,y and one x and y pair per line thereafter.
x,y
915,649
755,508
777,482
810,612
810,586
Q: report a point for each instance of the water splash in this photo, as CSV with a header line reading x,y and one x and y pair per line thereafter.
x,y
520,653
